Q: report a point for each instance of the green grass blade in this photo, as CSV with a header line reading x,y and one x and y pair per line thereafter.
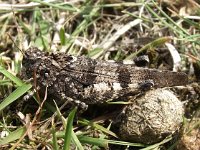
x,y
69,128
179,29
82,26
66,7
13,136
54,140
11,76
97,126
104,142
15,95
76,141
5,82
62,36
94,141
126,143
155,43
154,146
100,141
94,52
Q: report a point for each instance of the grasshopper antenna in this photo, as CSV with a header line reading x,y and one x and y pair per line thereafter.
x,y
16,45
